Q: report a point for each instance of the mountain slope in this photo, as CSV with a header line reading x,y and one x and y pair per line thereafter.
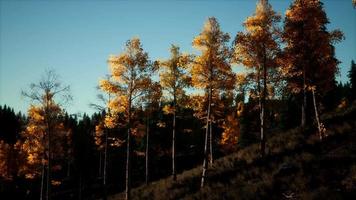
x,y
297,166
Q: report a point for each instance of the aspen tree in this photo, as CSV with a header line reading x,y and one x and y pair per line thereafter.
x,y
174,79
257,48
130,76
211,71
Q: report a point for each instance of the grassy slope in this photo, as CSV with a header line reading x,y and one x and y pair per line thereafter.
x,y
297,166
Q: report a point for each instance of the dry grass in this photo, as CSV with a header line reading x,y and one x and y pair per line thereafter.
x,y
244,175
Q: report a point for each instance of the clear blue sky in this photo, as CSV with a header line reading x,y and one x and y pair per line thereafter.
x,y
76,37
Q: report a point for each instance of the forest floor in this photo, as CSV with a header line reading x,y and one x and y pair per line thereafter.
x,y
297,166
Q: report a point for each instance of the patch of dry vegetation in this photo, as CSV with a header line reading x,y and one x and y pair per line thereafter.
x,y
296,166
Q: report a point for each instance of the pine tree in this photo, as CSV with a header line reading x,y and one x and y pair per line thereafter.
x,y
352,78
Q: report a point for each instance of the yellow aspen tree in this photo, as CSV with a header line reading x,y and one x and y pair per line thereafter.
x,y
130,76
308,57
211,72
174,79
257,48
104,126
44,136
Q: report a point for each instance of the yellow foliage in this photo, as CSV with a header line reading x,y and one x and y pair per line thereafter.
x,y
309,19
173,76
36,113
211,68
108,86
240,109
42,118
231,133
99,133
110,121
55,182
118,104
129,79
168,109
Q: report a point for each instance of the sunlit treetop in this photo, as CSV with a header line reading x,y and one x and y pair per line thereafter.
x,y
130,75
259,39
174,78
212,68
310,45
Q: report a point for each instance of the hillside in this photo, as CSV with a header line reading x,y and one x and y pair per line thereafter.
x,y
297,166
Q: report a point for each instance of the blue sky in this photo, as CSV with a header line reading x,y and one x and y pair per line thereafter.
x,y
76,37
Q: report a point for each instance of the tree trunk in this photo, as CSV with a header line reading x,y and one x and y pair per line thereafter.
x,y
260,108
147,147
317,115
174,175
128,154
211,158
80,186
68,168
48,123
205,162
304,102
105,163
49,165
263,107
42,180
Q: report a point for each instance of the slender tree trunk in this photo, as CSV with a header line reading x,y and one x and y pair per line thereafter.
x,y
317,115
49,165
147,147
128,153
80,185
263,107
47,118
105,163
43,170
42,180
260,109
205,162
68,168
304,102
174,175
211,158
